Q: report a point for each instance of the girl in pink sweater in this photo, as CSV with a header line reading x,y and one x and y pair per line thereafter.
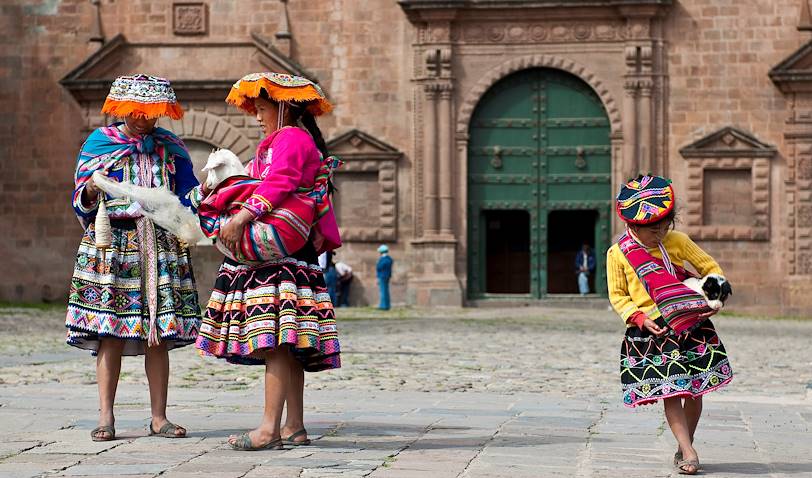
x,y
278,313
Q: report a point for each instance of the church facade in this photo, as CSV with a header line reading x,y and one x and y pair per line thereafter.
x,y
484,140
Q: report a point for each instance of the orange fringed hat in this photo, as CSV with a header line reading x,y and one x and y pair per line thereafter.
x,y
280,87
142,96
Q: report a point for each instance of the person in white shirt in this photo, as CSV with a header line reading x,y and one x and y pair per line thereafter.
x,y
344,280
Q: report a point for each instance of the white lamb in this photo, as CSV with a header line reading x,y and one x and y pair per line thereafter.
x,y
164,208
221,165
160,205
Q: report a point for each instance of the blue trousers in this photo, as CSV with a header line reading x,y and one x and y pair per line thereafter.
x,y
330,279
383,292
583,283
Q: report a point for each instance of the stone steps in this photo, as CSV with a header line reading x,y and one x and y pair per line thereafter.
x,y
557,301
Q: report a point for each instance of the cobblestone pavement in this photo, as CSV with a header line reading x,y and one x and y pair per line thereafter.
x,y
447,392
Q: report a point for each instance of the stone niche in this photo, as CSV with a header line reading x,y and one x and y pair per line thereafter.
x,y
728,188
366,202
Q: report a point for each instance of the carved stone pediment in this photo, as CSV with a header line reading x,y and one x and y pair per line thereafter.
x,y
431,7
727,194
794,74
728,142
532,21
366,202
182,63
355,144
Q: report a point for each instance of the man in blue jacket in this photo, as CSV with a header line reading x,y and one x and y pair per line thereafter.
x,y
584,266
384,272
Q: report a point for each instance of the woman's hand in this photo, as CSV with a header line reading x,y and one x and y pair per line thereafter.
x,y
655,329
231,234
91,187
90,192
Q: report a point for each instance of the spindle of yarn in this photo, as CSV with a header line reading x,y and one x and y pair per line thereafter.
x,y
104,236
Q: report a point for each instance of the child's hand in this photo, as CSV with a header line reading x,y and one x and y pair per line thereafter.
x,y
655,329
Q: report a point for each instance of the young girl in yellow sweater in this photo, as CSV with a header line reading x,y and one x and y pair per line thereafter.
x,y
670,351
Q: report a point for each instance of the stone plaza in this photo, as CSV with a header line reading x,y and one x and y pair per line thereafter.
x,y
520,392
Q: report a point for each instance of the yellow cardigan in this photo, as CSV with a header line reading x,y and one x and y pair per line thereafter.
x,y
627,293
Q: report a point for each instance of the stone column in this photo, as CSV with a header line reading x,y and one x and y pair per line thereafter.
x,y
646,155
630,150
430,179
445,145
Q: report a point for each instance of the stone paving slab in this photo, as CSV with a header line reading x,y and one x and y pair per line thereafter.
x,y
479,396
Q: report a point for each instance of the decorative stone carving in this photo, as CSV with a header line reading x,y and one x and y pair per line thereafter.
x,y
190,18
370,168
438,62
541,32
733,150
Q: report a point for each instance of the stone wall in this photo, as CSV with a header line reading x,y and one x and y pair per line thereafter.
x,y
344,44
717,56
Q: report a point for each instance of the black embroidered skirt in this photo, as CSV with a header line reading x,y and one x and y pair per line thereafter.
x,y
687,365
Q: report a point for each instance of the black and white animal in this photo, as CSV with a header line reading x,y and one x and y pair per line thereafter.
x,y
713,287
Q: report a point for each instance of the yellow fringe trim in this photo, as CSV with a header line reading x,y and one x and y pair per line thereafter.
x,y
242,96
142,110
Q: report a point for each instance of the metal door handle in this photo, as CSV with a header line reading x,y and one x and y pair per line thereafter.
x,y
496,161
580,161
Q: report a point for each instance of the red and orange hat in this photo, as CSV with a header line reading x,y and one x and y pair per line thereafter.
x,y
142,96
280,87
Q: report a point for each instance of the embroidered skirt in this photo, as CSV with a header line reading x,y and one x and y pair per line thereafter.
x,y
687,365
254,309
107,297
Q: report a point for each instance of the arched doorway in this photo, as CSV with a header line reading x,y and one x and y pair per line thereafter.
x,y
539,185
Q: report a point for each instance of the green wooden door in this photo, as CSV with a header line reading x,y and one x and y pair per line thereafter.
x,y
539,143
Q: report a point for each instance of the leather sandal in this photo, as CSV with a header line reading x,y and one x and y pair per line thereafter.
x,y
96,433
291,440
169,430
682,467
243,443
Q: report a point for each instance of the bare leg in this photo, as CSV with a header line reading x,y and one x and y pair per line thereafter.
x,y
108,369
294,417
693,411
675,414
156,365
277,381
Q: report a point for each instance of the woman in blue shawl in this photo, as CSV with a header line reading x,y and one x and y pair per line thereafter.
x,y
137,296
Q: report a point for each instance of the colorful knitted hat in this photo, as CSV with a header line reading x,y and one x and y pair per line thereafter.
x,y
280,87
142,96
645,200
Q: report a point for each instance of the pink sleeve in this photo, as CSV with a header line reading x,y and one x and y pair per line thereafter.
x,y
291,150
